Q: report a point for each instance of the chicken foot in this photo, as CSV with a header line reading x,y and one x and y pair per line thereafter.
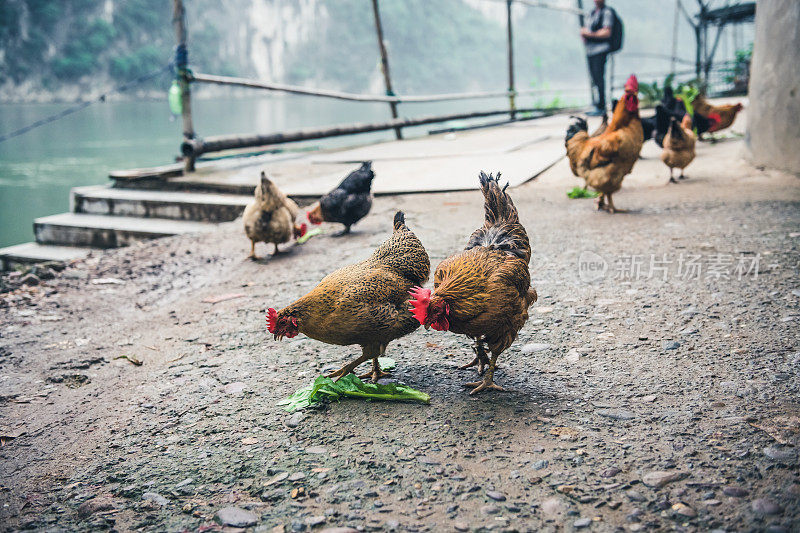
x,y
253,251
488,379
376,372
671,178
349,367
481,360
601,202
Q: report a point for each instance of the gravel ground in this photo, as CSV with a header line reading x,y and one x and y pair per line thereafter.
x,y
654,388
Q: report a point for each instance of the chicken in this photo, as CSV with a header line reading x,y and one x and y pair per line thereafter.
x,y
364,304
484,291
604,161
721,116
349,202
656,127
271,217
678,146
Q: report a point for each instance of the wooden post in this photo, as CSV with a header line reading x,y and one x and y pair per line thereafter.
x,y
511,92
581,22
181,62
385,65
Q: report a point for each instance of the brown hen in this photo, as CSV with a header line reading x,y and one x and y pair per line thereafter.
x,y
365,303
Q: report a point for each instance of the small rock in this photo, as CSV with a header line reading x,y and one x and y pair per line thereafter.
x,y
94,505
610,472
234,388
30,279
185,482
766,506
496,496
540,464
277,478
735,492
635,496
582,523
617,414
534,347
316,450
297,476
314,521
572,357
782,455
461,526
339,530
690,311
295,420
712,502
236,517
659,479
553,506
155,497
490,510
684,510
670,345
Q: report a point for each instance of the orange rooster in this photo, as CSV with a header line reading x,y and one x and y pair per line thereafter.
x,y
720,116
484,291
364,304
605,159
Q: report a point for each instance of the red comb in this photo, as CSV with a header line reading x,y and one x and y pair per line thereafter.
x,y
272,320
419,302
632,85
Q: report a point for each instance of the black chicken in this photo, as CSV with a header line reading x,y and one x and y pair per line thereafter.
x,y
656,127
349,202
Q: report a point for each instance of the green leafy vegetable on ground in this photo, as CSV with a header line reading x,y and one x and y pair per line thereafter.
x,y
309,234
579,192
352,387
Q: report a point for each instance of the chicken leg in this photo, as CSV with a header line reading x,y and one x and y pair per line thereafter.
x,y
481,360
601,202
276,252
488,379
376,372
671,178
367,352
611,209
253,250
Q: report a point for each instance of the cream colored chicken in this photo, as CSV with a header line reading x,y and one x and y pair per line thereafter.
x,y
271,217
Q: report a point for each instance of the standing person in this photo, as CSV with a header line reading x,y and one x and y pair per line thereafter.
x,y
597,39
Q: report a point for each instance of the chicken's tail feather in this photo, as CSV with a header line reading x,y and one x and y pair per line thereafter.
x,y
498,206
502,230
399,220
577,124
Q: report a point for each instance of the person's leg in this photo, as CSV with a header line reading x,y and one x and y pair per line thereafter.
x,y
601,79
591,61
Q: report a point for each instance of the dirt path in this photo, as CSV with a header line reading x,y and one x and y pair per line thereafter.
x,y
647,396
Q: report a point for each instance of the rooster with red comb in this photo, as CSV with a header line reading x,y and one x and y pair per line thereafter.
x,y
485,290
605,159
364,304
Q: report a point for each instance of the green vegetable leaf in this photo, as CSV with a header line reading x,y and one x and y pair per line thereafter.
x,y
309,234
578,192
351,386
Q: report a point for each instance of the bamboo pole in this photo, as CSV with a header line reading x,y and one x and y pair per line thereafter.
x,y
325,93
196,147
181,61
510,46
385,64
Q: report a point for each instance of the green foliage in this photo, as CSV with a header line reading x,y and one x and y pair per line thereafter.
x,y
144,60
580,192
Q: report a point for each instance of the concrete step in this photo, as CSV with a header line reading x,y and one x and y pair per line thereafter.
x,y
200,207
33,252
102,231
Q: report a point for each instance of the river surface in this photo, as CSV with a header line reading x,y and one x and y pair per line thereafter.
x,y
38,168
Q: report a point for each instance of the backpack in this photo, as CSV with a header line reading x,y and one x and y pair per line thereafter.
x,y
617,32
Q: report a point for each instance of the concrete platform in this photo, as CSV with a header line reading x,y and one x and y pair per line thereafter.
x,y
32,252
201,207
98,231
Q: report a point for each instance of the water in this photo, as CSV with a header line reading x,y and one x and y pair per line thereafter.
x,y
38,169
